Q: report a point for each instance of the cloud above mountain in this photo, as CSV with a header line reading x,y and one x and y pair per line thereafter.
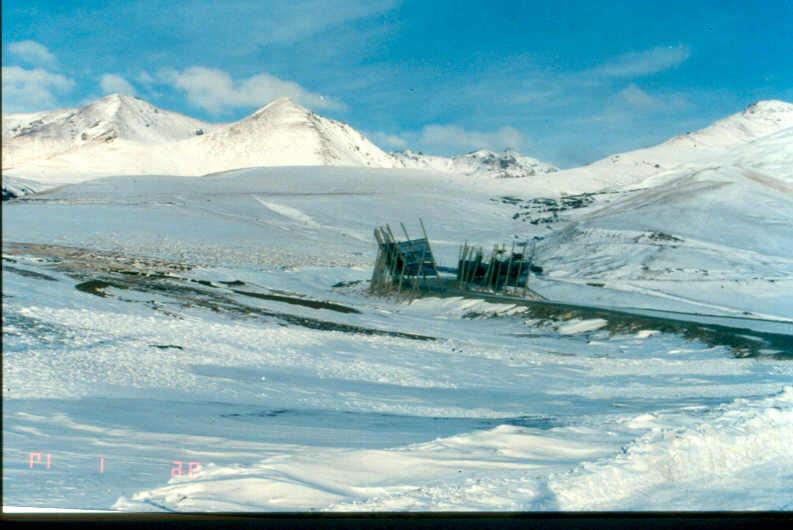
x,y
456,138
32,53
33,89
116,84
641,63
390,66
32,84
452,138
215,91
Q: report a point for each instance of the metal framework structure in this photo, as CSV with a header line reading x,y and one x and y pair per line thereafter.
x,y
404,267
502,269
401,264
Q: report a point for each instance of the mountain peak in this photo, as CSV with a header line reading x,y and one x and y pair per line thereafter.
x,y
121,99
280,105
282,100
482,162
769,106
105,120
759,119
118,96
481,153
116,106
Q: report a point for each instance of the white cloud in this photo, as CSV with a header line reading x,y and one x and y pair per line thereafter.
x,y
641,63
452,138
640,100
636,97
297,20
115,84
145,78
215,91
32,90
391,141
32,53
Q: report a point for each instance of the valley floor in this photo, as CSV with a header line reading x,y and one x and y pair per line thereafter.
x,y
142,371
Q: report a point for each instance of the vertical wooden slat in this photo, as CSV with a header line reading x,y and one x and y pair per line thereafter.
x,y
509,263
432,254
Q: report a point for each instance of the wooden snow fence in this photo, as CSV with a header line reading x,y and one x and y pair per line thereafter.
x,y
408,267
401,265
503,268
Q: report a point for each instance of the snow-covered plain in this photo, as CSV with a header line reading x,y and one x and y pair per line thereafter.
x,y
224,320
509,412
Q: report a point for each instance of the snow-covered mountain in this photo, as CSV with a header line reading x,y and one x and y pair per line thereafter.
x,y
28,137
693,149
122,135
508,164
282,133
722,224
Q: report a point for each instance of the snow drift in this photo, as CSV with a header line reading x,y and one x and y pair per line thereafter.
x,y
677,465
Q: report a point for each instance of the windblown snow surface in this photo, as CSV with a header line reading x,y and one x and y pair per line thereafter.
x,y
224,321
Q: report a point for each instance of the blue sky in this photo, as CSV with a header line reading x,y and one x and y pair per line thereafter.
x,y
565,81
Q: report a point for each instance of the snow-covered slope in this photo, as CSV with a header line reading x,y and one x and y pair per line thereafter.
x,y
694,150
239,302
723,225
14,187
757,121
285,405
484,163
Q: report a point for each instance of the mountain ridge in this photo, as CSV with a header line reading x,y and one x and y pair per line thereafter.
x,y
28,136
508,164
118,135
757,121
